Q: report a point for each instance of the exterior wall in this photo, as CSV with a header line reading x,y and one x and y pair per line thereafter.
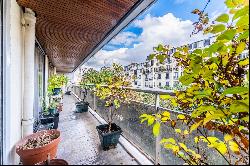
x,y
14,92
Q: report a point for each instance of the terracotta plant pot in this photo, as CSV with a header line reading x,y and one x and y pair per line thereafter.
x,y
54,162
36,155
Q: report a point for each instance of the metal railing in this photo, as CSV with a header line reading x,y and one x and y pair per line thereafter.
x,y
140,134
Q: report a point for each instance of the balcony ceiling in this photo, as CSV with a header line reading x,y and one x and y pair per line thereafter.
x,y
69,30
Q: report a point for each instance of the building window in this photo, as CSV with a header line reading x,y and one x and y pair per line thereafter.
x,y
168,67
190,46
167,84
195,45
167,75
159,76
152,62
135,72
176,75
168,59
206,42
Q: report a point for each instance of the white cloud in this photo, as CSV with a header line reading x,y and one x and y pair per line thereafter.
x,y
124,38
166,30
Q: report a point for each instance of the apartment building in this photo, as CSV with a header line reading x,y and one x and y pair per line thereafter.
x,y
152,74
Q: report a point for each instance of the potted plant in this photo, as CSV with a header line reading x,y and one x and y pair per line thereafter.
x,y
83,105
56,82
112,90
34,148
50,114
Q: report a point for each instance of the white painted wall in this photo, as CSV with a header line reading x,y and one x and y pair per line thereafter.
x,y
15,82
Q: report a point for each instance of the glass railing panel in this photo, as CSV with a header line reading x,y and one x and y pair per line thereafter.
x,y
140,134
128,119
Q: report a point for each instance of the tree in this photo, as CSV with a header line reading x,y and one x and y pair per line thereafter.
x,y
109,84
217,96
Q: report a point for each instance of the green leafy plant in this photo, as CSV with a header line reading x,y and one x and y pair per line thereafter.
x,y
52,104
109,85
56,81
216,97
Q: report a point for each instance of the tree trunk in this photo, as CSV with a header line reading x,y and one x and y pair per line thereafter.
x,y
110,119
110,127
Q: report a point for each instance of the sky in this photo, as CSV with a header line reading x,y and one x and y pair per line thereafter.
x,y
166,22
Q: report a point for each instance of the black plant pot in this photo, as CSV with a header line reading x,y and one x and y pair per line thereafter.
x,y
82,107
68,92
109,140
56,120
51,119
56,91
46,120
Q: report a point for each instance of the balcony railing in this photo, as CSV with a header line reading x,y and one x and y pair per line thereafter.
x,y
140,134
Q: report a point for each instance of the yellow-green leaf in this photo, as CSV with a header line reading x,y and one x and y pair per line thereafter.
x,y
244,62
166,113
238,106
151,56
218,28
228,137
244,20
168,140
213,116
235,90
196,139
223,18
178,130
241,12
181,117
222,148
165,97
185,132
151,120
195,126
184,147
234,147
156,129
241,47
245,118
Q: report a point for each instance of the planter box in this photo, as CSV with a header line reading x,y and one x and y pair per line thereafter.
x,y
36,155
82,107
109,140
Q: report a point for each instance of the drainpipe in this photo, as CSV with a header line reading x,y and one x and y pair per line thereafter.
x,y
29,63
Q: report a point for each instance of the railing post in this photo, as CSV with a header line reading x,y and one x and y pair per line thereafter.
x,y
157,139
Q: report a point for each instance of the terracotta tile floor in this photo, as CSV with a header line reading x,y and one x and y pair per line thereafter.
x,y
80,144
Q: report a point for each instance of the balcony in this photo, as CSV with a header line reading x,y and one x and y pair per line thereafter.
x,y
46,38
43,39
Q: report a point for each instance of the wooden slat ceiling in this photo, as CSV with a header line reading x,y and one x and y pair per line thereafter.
x,y
69,30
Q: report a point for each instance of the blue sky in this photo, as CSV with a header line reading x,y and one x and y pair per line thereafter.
x,y
166,22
